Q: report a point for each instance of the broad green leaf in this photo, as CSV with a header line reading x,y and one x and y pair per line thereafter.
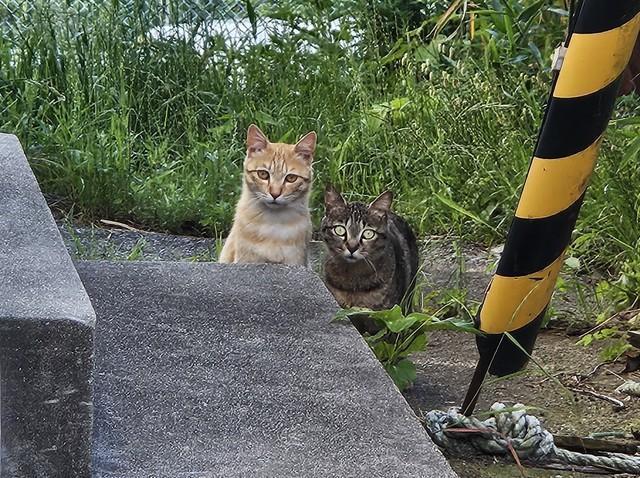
x,y
399,49
605,333
586,340
400,324
631,152
265,118
535,51
615,350
508,26
375,338
395,313
418,344
399,103
383,351
342,314
529,12
572,263
403,373
422,317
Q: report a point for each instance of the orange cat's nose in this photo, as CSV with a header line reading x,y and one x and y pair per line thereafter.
x,y
275,194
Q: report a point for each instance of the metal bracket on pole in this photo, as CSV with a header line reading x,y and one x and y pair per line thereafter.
x,y
558,57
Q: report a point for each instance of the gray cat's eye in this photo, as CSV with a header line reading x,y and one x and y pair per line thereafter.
x,y
368,234
340,231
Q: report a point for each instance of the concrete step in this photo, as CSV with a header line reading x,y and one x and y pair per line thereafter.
x,y
46,335
206,370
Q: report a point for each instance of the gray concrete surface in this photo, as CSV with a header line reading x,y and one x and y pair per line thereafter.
x,y
207,370
46,333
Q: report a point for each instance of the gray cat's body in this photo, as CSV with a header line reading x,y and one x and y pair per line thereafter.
x,y
372,255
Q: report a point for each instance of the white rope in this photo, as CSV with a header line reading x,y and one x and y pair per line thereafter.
x,y
513,428
630,388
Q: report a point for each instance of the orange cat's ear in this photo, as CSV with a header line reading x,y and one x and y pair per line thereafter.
x,y
307,146
256,139
382,202
333,198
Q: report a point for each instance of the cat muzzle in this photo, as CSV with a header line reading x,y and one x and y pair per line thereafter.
x,y
274,203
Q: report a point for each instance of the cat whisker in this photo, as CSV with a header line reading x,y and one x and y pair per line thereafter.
x,y
370,264
331,259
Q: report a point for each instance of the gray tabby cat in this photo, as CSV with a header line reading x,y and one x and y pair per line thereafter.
x,y
372,255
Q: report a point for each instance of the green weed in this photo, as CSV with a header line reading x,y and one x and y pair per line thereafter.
x,y
401,335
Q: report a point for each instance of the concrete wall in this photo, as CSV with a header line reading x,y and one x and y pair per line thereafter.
x,y
46,335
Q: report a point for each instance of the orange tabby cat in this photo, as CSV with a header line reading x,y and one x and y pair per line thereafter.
x,y
272,221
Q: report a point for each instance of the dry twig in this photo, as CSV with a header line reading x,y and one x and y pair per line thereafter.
x,y
617,403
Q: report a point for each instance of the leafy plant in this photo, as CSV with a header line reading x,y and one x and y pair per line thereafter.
x,y
518,31
621,299
401,335
499,31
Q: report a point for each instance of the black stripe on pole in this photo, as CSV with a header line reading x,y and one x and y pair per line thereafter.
x,y
573,124
508,357
533,244
606,15
501,357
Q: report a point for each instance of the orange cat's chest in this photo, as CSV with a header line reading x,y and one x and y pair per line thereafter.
x,y
277,243
273,233
280,238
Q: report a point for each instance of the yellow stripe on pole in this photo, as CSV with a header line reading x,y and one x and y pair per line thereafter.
x,y
555,184
513,302
594,60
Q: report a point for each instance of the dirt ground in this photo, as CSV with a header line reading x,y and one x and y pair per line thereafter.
x,y
445,369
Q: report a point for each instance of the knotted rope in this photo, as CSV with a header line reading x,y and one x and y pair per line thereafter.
x,y
630,388
513,428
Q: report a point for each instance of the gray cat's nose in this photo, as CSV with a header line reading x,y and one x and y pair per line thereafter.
x,y
352,247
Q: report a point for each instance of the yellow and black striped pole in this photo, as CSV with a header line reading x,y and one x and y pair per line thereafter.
x,y
601,37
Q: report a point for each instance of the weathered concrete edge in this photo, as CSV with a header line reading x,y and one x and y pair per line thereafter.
x,y
81,310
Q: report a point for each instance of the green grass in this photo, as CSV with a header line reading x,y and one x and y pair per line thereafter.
x,y
120,126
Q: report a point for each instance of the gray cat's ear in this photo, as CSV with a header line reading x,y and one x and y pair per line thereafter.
x,y
256,139
382,202
306,147
333,198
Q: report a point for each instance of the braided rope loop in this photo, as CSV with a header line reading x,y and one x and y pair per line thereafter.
x,y
513,428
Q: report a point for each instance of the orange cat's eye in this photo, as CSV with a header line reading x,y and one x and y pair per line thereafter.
x,y
262,174
291,178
